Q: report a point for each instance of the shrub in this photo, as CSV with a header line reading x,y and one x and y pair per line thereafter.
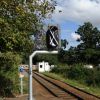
x,y
9,73
79,73
76,72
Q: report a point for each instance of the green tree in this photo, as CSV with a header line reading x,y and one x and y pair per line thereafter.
x,y
89,35
64,43
19,21
90,43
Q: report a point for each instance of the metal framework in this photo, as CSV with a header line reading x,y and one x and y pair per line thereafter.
x,y
30,69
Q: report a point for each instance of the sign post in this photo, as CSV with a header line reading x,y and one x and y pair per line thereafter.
x,y
21,84
21,75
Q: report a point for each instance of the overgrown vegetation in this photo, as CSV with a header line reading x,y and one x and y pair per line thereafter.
x,y
19,21
90,77
9,73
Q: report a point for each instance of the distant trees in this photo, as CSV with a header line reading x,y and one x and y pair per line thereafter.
x,y
90,46
64,43
88,51
89,36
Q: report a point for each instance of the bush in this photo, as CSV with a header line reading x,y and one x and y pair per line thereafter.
x,y
97,77
79,73
9,73
75,72
60,70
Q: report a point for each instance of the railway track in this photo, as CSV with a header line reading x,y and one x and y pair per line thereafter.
x,y
62,90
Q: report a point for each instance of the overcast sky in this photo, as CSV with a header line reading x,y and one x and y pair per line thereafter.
x,y
78,11
75,13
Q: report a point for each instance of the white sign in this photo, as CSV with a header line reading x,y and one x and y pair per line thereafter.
x,y
21,75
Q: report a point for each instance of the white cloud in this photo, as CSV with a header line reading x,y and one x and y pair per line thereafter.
x,y
78,11
75,36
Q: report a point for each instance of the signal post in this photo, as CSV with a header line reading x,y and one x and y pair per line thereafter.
x,y
53,44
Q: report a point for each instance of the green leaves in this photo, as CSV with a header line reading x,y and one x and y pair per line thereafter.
x,y
90,35
64,43
19,20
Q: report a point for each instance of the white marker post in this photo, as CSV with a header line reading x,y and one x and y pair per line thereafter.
x,y
30,69
21,75
21,84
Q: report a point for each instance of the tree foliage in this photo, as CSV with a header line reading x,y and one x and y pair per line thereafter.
x,y
90,46
19,20
64,43
89,36
88,51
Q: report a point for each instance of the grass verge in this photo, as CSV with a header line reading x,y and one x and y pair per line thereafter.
x,y
89,89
